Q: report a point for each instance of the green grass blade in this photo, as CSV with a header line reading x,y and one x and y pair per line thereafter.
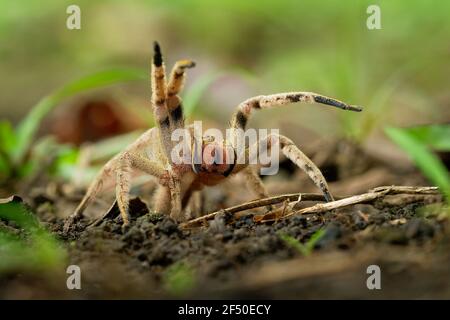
x,y
7,143
436,137
30,124
17,212
426,161
314,239
292,242
7,137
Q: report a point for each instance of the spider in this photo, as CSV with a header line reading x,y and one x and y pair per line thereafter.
x,y
151,152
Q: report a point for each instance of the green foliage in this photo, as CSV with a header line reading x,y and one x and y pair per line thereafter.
x,y
304,248
416,142
27,246
17,143
179,278
436,137
29,125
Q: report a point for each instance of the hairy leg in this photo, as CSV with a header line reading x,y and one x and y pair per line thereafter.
x,y
168,199
122,165
293,153
94,188
123,183
178,77
173,100
159,94
255,183
175,198
241,116
125,163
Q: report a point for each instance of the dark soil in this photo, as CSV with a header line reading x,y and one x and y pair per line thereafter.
x,y
154,258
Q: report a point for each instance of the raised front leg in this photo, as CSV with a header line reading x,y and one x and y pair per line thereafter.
x,y
159,100
242,114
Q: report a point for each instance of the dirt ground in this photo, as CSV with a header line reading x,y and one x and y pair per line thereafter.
x,y
241,258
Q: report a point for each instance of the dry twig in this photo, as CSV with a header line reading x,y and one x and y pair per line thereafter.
x,y
318,208
256,204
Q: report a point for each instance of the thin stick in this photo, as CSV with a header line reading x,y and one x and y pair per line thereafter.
x,y
407,190
256,204
318,208
361,198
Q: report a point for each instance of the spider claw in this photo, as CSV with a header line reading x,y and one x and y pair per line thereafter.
x,y
355,108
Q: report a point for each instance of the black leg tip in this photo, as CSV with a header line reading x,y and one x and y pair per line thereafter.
x,y
356,108
156,47
157,57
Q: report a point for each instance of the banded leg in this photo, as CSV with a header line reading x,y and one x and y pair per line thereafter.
x,y
159,93
178,77
175,198
241,116
293,153
175,85
127,162
123,183
94,188
168,199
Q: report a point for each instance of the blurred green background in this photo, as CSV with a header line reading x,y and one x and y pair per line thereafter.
x,y
400,74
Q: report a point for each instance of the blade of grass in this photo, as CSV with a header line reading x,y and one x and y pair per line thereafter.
x,y
292,242
426,161
314,239
7,137
15,211
306,248
436,137
29,125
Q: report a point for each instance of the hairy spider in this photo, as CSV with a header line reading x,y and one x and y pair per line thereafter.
x,y
151,152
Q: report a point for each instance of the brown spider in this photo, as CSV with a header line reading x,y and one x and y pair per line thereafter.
x,y
151,152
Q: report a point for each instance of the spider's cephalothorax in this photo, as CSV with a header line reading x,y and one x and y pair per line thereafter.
x,y
178,183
